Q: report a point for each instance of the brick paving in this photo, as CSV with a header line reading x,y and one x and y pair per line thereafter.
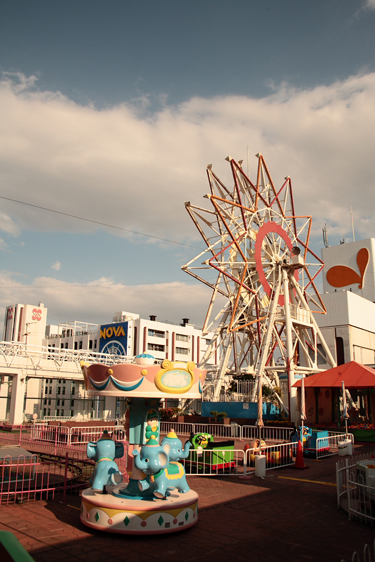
x,y
291,515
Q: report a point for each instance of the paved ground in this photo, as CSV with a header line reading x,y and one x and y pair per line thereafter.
x,y
290,515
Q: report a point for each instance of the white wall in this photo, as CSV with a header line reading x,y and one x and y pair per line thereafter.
x,y
346,254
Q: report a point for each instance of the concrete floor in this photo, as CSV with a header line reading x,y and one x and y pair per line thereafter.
x,y
290,515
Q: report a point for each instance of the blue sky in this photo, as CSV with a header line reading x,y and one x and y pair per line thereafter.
x,y
111,111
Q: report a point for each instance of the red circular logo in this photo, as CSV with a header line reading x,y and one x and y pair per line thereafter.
x,y
37,314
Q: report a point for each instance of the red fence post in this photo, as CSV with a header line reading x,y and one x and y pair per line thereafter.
x,y
65,476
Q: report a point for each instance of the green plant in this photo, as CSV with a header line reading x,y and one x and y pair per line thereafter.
x,y
219,415
167,414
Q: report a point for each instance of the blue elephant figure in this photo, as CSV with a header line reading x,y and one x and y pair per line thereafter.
x,y
160,464
173,447
104,451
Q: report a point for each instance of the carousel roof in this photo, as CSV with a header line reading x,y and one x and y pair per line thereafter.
x,y
354,375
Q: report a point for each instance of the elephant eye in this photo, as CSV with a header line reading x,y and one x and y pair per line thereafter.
x,y
146,460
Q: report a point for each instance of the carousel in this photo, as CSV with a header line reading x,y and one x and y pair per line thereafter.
x,y
157,498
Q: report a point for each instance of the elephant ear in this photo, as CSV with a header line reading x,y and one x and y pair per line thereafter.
x,y
91,450
164,460
119,450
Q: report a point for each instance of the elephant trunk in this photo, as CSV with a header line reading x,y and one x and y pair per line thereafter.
x,y
186,450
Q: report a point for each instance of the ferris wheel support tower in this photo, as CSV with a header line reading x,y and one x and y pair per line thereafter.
x,y
259,250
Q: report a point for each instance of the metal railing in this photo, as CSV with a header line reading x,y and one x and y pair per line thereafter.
x,y
41,477
230,431
37,358
353,494
218,462
267,432
277,456
59,440
326,446
74,436
366,554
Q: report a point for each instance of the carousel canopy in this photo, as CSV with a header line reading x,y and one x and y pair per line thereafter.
x,y
353,374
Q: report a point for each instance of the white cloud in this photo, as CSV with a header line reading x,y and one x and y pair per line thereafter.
x,y
370,4
120,168
8,225
56,266
98,301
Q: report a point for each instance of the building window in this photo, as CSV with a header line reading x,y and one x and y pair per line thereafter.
x,y
49,402
59,390
50,390
44,411
66,345
72,403
62,402
45,402
156,333
63,390
95,344
182,337
58,403
80,344
71,413
90,344
57,412
75,345
62,346
182,350
155,347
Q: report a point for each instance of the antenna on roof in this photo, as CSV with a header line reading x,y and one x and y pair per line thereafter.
x,y
325,236
351,215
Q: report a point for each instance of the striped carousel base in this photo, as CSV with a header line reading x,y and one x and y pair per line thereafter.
x,y
111,513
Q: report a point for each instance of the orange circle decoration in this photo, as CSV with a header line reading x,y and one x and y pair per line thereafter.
x,y
263,231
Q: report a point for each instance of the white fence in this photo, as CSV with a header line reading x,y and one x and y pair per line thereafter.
x,y
74,436
326,446
366,554
232,431
354,494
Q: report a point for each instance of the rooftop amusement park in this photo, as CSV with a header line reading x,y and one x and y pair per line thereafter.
x,y
305,359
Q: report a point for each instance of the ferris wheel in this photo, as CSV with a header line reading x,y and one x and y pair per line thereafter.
x,y
262,273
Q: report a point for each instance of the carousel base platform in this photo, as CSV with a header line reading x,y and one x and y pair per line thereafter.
x,y
114,514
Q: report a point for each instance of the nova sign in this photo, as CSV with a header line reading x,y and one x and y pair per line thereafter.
x,y
114,338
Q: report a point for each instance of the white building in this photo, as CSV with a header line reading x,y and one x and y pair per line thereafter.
x,y
25,323
128,334
65,396
349,297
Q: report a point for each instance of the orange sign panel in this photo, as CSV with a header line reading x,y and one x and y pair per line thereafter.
x,y
342,276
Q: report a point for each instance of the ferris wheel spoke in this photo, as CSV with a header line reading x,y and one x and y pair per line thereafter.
x,y
258,247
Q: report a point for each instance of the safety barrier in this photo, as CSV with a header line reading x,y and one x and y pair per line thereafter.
x,y
366,554
277,456
73,436
230,431
326,446
47,476
354,494
227,462
59,440
217,462
270,433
